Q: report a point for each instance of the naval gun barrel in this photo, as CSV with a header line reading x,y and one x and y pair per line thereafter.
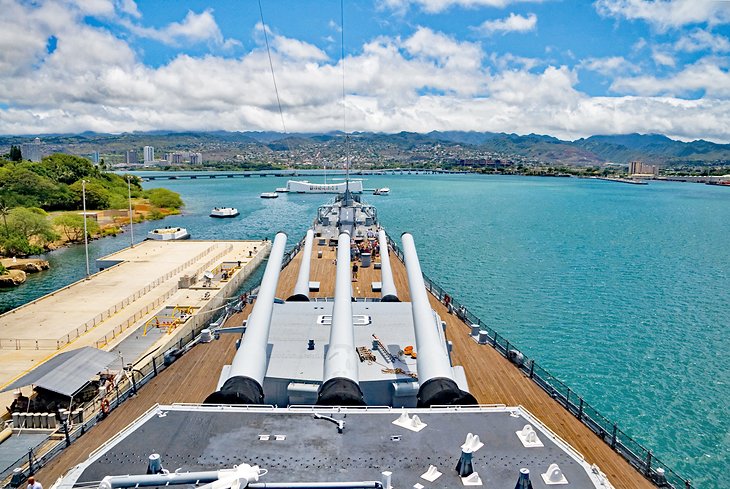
x,y
248,369
340,383
435,374
388,292
301,289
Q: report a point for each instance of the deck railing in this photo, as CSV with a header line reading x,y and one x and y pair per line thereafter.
x,y
636,454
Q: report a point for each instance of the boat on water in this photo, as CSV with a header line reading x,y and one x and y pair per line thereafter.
x,y
223,212
307,187
269,195
168,234
381,191
343,377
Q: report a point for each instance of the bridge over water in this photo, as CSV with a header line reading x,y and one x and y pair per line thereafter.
x,y
286,173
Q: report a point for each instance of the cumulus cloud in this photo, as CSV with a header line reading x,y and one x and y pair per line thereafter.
x,y
709,75
664,14
513,23
702,40
436,6
608,66
194,28
423,81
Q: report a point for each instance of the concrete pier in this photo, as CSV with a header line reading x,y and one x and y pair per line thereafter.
x,y
144,299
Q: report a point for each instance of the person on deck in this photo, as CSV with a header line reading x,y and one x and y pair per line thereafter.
x,y
34,484
354,272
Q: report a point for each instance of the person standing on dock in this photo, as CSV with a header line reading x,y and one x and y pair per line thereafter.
x,y
354,271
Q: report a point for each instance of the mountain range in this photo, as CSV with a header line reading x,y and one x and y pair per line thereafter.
x,y
594,150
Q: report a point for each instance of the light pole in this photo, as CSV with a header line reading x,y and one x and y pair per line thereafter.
x,y
86,234
131,220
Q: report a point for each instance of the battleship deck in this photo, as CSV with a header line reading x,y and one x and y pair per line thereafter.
x,y
107,309
492,379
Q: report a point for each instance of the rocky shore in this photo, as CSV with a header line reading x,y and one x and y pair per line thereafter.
x,y
16,270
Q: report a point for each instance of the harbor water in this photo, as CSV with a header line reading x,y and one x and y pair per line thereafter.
x,y
621,291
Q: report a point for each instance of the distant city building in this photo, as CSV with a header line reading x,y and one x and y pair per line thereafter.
x,y
149,154
639,168
132,157
174,158
32,151
196,158
94,157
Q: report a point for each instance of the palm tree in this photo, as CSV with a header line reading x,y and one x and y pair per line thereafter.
x,y
5,212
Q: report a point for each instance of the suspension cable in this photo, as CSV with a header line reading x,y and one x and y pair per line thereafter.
x,y
271,66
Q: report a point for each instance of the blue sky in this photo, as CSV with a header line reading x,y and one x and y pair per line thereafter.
x,y
566,68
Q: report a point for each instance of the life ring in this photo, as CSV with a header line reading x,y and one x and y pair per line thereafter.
x,y
105,407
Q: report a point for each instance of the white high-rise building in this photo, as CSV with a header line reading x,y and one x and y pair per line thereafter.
x,y
196,158
32,151
149,154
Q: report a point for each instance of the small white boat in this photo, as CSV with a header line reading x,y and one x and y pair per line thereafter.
x,y
224,212
269,195
168,234
382,191
282,190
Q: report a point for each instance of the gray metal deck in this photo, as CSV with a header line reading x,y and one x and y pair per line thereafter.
x,y
194,438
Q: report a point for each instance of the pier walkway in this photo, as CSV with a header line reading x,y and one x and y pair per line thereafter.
x,y
117,302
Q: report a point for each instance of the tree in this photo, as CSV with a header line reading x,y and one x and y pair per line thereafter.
x,y
68,168
5,211
72,226
161,197
32,224
97,196
15,154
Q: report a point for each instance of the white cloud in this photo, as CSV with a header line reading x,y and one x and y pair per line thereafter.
x,y
129,7
709,75
425,81
297,49
436,6
665,14
662,58
513,23
608,66
702,40
194,28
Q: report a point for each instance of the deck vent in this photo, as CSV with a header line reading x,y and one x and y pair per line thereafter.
x,y
554,476
310,345
387,475
154,464
524,481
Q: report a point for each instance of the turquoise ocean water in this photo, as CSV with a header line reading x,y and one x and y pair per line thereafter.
x,y
620,291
